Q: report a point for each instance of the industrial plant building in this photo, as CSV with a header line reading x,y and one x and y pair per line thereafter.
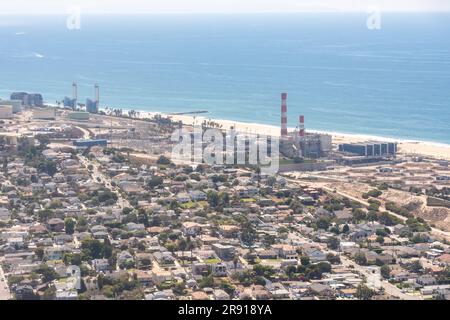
x,y
6,112
44,113
370,149
78,116
90,143
16,104
92,106
28,99
72,102
299,143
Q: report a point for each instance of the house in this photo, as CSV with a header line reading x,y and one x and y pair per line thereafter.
x,y
267,254
199,295
53,253
219,269
24,292
360,235
124,258
219,294
426,280
100,265
134,227
444,259
183,198
224,252
144,278
17,242
61,239
159,276
286,251
343,216
197,195
321,290
386,258
130,187
38,229
199,268
278,291
246,191
5,214
191,228
228,231
66,294
56,225
348,246
316,255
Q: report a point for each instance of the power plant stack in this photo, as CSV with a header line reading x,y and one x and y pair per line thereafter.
x,y
284,131
72,103
74,94
92,106
299,143
97,95
301,127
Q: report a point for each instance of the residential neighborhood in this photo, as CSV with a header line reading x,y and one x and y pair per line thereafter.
x,y
98,223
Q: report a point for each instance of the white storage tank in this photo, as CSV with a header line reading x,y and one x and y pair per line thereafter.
x,y
16,104
6,111
44,113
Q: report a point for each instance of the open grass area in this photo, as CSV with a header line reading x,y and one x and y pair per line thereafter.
x,y
212,261
188,205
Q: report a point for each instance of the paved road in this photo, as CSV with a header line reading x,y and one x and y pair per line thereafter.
x,y
97,175
389,288
5,294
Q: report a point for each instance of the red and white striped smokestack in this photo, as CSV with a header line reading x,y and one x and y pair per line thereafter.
x,y
301,126
284,131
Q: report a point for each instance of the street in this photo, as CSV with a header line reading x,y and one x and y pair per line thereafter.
x,y
5,294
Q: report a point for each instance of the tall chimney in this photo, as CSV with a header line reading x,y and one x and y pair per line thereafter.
x,y
301,126
74,94
284,131
97,94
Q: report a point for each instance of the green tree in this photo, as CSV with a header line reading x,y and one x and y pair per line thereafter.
x,y
48,274
155,181
333,243
69,225
248,235
268,240
359,214
304,260
213,198
163,160
360,258
385,271
364,293
92,249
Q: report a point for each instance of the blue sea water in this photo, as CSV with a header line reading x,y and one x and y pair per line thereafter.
x,y
343,77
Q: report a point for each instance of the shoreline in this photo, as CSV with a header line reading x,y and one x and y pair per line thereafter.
x,y
432,149
436,150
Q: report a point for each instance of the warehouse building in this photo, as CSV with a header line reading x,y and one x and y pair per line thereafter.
x,y
90,143
28,99
370,149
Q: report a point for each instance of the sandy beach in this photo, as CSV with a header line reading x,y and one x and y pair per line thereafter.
x,y
406,147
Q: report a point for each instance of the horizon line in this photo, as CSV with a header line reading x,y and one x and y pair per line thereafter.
x,y
24,14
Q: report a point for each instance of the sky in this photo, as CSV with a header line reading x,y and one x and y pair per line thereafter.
x,y
8,7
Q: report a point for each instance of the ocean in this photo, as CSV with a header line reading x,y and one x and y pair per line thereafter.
x,y
393,82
